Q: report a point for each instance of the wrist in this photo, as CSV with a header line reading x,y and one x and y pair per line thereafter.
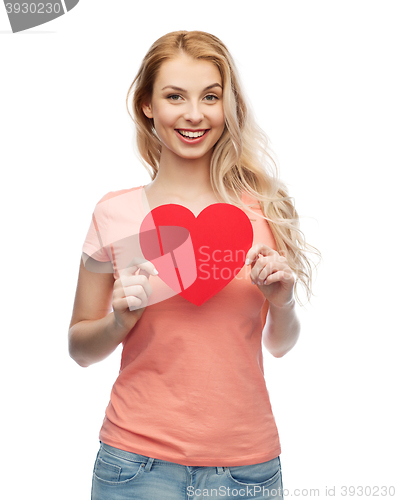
x,y
118,331
284,307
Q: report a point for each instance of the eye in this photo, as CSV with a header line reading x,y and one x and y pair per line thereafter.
x,y
170,97
215,97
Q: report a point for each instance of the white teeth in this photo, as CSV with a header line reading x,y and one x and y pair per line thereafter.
x,y
191,134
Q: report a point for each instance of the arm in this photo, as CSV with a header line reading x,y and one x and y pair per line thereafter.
x,y
94,331
282,328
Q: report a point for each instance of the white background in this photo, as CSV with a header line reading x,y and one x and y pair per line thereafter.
x,y
321,77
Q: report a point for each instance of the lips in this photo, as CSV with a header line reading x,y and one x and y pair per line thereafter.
x,y
192,140
193,131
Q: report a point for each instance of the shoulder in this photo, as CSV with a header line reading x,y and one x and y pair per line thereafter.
x,y
251,202
115,194
116,205
116,213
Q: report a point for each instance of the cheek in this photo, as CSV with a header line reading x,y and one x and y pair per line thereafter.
x,y
165,116
219,118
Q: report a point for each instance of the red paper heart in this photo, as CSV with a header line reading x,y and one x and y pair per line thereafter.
x,y
196,257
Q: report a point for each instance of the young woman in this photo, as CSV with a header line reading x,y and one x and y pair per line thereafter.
x,y
189,414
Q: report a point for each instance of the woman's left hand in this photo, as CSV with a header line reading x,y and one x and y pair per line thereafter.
x,y
271,273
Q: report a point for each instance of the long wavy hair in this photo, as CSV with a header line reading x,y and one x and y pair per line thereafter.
x,y
241,161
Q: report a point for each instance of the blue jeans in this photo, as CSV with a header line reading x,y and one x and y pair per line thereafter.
x,y
121,475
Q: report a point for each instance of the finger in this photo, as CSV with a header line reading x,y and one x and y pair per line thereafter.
x,y
135,303
135,285
143,272
269,269
278,276
148,267
256,250
136,265
135,279
258,266
274,262
130,303
127,279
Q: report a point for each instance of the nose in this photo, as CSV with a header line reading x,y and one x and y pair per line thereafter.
x,y
193,113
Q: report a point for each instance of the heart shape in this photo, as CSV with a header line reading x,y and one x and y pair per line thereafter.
x,y
196,256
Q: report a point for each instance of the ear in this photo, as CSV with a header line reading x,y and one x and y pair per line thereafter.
x,y
147,109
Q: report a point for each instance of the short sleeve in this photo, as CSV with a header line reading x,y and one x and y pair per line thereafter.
x,y
93,244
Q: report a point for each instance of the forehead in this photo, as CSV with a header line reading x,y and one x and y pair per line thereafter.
x,y
183,71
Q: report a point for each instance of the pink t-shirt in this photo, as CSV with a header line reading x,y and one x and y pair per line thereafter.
x,y
191,387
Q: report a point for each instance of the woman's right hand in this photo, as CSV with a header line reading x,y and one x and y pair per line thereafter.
x,y
131,293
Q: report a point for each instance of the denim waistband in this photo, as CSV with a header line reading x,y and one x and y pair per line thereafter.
x,y
127,455
135,457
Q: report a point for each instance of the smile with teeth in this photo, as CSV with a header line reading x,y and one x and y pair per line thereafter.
x,y
192,134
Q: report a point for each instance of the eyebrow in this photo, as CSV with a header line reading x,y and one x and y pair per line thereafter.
x,y
183,90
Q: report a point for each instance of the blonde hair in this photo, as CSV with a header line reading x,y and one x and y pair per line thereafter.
x,y
241,160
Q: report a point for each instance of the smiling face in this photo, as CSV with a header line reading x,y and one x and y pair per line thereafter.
x,y
187,108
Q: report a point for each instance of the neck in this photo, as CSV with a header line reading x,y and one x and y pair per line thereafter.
x,y
188,178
